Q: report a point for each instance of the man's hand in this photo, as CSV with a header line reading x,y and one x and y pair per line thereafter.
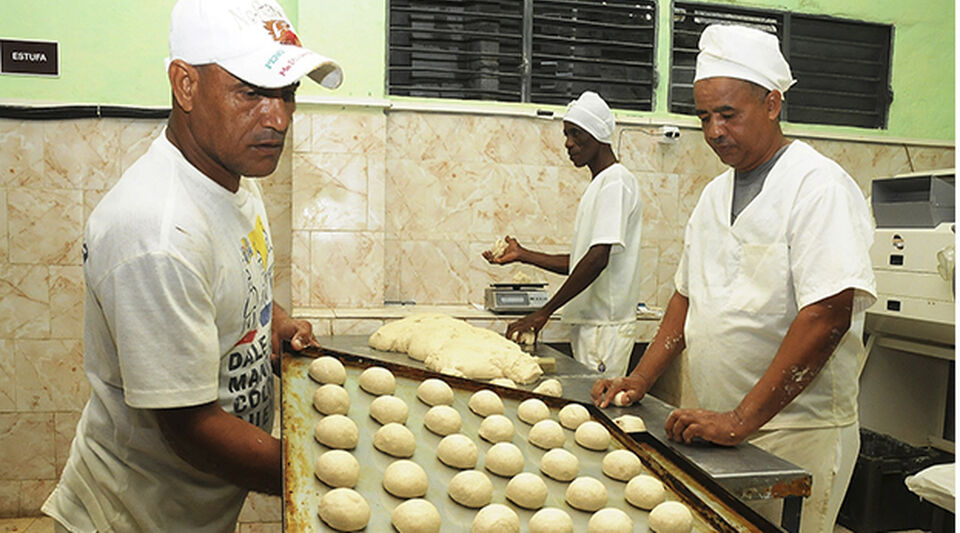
x,y
509,255
283,328
726,429
532,322
604,390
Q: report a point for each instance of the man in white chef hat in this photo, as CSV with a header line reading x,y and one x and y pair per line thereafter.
x,y
182,336
603,287
772,284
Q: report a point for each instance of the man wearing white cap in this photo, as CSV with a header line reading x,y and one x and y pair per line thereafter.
x,y
182,336
603,289
772,285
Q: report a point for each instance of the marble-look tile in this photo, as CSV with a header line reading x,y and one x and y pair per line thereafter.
x,y
66,301
8,376
659,194
865,161
690,155
550,149
376,192
46,226
931,157
649,273
667,264
572,183
33,492
301,131
690,187
64,427
355,326
10,505
26,446
329,191
300,269
21,153
3,226
50,375
444,279
348,131
24,301
525,201
321,326
41,525
80,154
90,200
261,527
346,269
261,508
134,138
638,148
281,286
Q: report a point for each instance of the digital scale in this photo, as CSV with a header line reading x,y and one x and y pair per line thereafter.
x,y
515,298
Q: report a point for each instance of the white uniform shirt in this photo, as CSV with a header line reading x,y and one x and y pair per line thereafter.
x,y
179,299
805,237
609,213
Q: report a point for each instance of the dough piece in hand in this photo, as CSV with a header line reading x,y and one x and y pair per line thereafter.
x,y
458,451
586,493
620,399
388,408
485,403
338,469
504,459
416,516
573,414
560,464
499,246
435,392
532,411
405,479
592,436
471,488
496,518
527,490
395,439
344,510
645,492
547,434
610,520
622,465
496,428
327,369
630,423
504,382
378,381
337,431
526,338
331,400
670,517
551,520
443,420
550,387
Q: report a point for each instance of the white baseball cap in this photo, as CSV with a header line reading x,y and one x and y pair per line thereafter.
x,y
251,39
733,51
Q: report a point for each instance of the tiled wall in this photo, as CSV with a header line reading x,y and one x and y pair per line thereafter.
x,y
365,206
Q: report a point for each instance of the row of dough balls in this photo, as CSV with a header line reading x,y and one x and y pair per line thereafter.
x,y
668,517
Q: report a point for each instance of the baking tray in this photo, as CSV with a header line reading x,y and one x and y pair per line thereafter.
x,y
303,491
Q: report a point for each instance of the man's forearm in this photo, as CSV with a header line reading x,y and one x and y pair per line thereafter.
x,y
556,263
668,342
588,269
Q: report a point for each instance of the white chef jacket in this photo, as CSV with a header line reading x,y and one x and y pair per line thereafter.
x,y
803,238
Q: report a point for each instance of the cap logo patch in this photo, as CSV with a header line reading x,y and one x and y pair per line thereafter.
x,y
281,32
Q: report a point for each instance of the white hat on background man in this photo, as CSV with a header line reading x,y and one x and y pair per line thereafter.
x,y
592,114
251,39
731,51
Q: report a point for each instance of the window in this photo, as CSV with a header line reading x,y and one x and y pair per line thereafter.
x,y
842,67
540,51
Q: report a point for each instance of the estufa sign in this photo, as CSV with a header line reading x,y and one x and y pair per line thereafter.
x,y
32,58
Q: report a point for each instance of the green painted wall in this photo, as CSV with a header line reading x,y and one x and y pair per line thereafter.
x,y
116,56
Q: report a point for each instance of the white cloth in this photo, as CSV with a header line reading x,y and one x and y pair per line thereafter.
x,y
805,237
606,349
591,113
732,51
936,484
178,275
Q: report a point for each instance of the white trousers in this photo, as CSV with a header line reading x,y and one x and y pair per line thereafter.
x,y
829,454
604,348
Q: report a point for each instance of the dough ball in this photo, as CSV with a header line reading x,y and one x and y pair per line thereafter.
x,y
526,338
573,414
645,492
378,381
532,411
458,451
527,490
405,479
435,392
620,399
560,464
551,520
496,428
630,423
496,518
550,387
504,459
331,400
485,403
670,517
327,369
592,435
504,382
443,420
336,431
471,488
621,465
416,516
547,434
337,469
395,439
610,520
344,510
389,408
586,493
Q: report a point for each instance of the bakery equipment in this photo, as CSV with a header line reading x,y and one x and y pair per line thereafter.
x,y
515,298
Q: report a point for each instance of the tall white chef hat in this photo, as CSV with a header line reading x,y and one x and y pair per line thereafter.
x,y
731,51
592,114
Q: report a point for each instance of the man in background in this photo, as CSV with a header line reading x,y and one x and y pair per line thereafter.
x,y
181,334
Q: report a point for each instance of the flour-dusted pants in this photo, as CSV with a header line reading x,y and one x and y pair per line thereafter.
x,y
605,348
